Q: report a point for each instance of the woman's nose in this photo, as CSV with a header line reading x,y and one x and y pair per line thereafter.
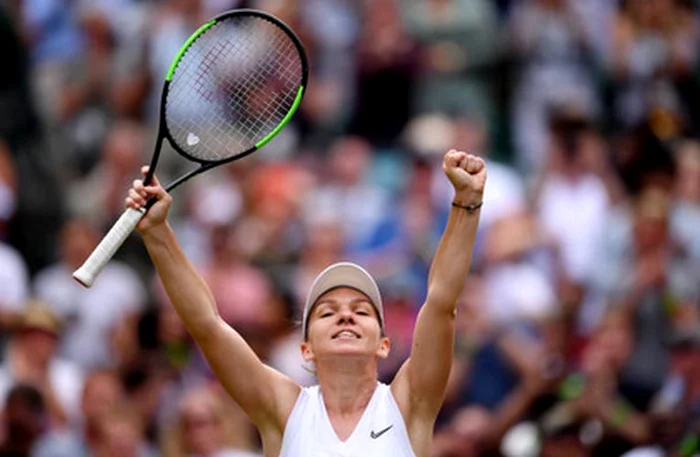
x,y
345,315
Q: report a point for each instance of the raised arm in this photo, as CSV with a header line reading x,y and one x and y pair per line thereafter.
x,y
420,384
265,395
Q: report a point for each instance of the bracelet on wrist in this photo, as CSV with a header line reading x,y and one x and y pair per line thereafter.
x,y
468,208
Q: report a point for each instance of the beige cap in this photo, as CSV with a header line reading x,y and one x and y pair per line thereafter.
x,y
38,316
343,274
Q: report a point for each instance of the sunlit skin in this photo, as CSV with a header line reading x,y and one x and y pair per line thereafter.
x,y
345,343
345,363
344,330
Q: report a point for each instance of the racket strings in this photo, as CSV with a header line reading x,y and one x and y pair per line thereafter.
x,y
239,94
232,88
267,118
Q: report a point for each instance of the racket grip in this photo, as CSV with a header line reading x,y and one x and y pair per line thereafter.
x,y
120,231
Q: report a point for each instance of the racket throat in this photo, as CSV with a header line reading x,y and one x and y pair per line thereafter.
x,y
156,155
187,176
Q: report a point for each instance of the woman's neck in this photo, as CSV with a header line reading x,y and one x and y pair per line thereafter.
x,y
346,391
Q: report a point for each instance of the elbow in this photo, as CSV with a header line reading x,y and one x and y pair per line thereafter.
x,y
205,328
442,298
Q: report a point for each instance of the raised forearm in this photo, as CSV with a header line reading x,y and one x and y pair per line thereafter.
x,y
453,256
428,367
189,294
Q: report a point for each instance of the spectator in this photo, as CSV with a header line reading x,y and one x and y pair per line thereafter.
x,y
90,315
330,29
25,415
656,286
38,201
399,248
466,434
166,364
19,119
14,286
386,67
171,24
209,426
605,397
269,232
461,44
588,254
518,257
243,292
96,193
120,434
652,62
685,214
108,427
555,71
674,410
573,201
348,190
32,359
8,189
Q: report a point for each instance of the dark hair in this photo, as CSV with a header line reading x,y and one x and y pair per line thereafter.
x,y
27,396
568,128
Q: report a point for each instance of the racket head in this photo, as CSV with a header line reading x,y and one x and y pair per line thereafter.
x,y
234,84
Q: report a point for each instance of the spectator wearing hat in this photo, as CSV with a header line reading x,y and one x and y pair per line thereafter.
x,y
31,359
90,316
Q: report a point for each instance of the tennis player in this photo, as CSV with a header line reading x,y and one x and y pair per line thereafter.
x,y
349,413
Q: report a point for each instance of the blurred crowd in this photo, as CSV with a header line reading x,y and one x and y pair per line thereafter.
x,y
579,327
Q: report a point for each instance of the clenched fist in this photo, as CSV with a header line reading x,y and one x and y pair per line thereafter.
x,y
467,173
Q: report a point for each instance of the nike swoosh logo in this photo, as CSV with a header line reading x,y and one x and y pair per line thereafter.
x,y
374,435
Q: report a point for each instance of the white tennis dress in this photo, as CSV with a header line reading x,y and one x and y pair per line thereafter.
x,y
381,431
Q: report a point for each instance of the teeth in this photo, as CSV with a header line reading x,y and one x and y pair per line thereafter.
x,y
346,333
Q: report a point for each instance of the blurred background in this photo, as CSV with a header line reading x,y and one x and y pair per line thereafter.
x,y
581,317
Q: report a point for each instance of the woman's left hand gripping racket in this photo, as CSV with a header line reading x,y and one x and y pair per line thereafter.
x,y
232,87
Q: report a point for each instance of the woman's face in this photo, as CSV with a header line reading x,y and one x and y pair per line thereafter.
x,y
344,322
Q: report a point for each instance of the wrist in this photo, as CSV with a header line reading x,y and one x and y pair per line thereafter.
x,y
469,207
158,231
468,198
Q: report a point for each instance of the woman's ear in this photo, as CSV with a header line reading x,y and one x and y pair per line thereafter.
x,y
307,352
384,348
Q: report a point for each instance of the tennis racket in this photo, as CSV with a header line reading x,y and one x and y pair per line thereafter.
x,y
232,87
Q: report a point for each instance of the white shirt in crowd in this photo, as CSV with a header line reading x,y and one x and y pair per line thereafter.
x,y
574,212
14,279
66,380
90,315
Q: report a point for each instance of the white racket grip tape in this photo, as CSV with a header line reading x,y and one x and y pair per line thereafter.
x,y
120,231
